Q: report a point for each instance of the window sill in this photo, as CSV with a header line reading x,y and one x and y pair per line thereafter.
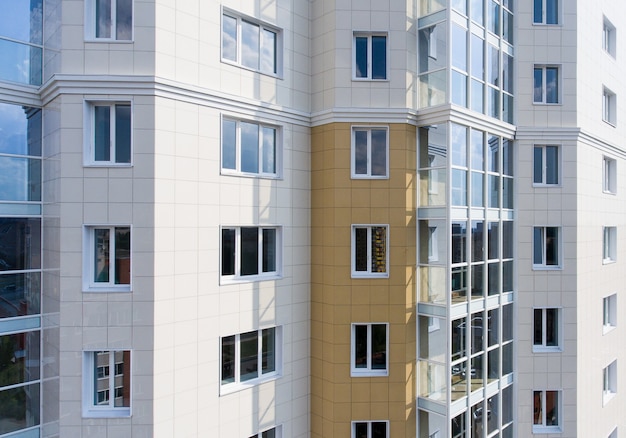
x,y
248,279
368,373
547,268
543,349
547,186
608,329
607,397
547,429
107,41
369,80
611,124
243,67
548,103
367,177
608,261
124,288
230,388
369,275
608,192
106,413
107,164
230,172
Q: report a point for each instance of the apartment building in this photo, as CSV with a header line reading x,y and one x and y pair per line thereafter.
x,y
312,218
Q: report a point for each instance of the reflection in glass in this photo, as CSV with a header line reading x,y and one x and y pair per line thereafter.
x,y
507,358
250,39
478,246
433,382
433,242
268,52
268,359
19,358
459,47
507,322
122,133
459,187
20,130
360,152
492,327
20,244
432,48
493,278
478,281
229,144
459,284
459,343
379,57
476,11
249,260
249,147
493,240
477,190
459,242
124,20
228,359
478,57
229,38
478,99
20,294
432,89
21,63
360,50
249,362
493,364
379,152
269,149
19,408
23,21
493,17
433,284
458,380
477,332
476,372
20,179
459,88
432,342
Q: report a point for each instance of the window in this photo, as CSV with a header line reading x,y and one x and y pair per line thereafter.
x,y
546,247
546,11
609,382
249,148
107,258
251,44
250,253
274,432
370,56
608,37
546,411
110,20
106,394
250,358
609,244
370,429
609,175
546,165
546,83
108,133
546,329
370,153
369,350
369,251
609,106
609,313
613,434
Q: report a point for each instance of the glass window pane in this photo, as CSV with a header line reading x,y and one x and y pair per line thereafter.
x,y
249,356
228,359
360,346
268,360
250,40
20,408
20,294
507,239
361,57
269,250
537,11
360,152
360,249
478,281
122,255
102,133
552,86
507,358
102,245
459,145
379,346
459,88
493,364
477,57
103,18
477,11
552,165
552,327
19,358
249,147
494,191
379,249
507,193
249,251
23,21
20,179
493,240
538,165
552,11
493,324
508,29
20,130
122,379
507,276
379,57
379,429
21,63
124,20
493,70
360,430
538,327
459,47
552,246
20,244
507,73
477,190
493,102
122,133
478,247
494,17
478,98
458,338
229,144
507,322
228,252
493,278
379,152
459,242
552,408
459,284
269,150
229,38
459,187
268,52
477,333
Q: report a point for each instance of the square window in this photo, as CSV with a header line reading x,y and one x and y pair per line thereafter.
x,y
370,152
609,244
250,148
546,11
546,165
109,20
370,429
369,251
370,56
108,133
609,313
107,259
546,84
250,253
370,343
608,37
609,175
609,103
250,358
98,385
251,43
546,247
274,432
609,382
546,411
546,330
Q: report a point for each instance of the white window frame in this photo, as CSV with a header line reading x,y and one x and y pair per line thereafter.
x,y
613,433
609,107
544,13
609,245
544,85
545,165
543,427
368,273
368,371
237,277
237,384
609,175
89,133
608,37
89,264
370,59
368,173
609,313
90,23
369,427
263,26
91,410
609,382
559,243
277,174
543,347
278,432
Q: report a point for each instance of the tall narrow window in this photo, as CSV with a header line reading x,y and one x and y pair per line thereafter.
x,y
370,152
369,251
109,20
546,165
546,247
609,313
250,149
107,258
370,56
609,175
546,411
546,83
609,244
106,383
546,328
609,382
369,350
609,106
108,134
608,37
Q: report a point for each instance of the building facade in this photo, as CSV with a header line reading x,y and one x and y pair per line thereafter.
x,y
320,218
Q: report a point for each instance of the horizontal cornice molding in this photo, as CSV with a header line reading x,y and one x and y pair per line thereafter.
x,y
23,94
364,115
562,135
